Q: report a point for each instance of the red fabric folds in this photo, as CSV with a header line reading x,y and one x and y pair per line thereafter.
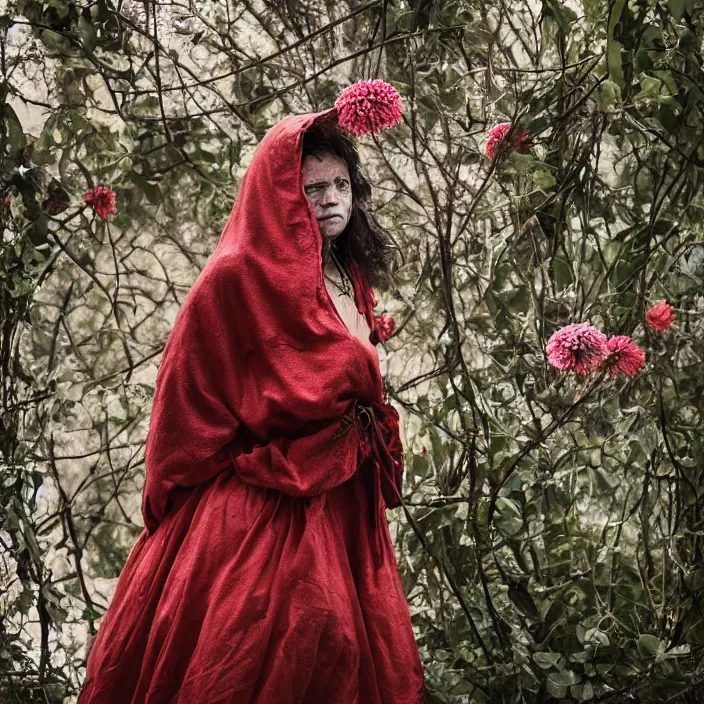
x,y
265,573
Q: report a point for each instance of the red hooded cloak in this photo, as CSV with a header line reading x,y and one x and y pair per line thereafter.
x,y
265,573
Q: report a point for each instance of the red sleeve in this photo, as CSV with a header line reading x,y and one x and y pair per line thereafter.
x,y
194,412
305,465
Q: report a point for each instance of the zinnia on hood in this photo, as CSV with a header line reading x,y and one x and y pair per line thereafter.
x,y
103,201
577,347
624,356
368,106
495,141
385,326
660,316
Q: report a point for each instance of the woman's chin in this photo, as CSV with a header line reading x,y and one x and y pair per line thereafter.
x,y
330,230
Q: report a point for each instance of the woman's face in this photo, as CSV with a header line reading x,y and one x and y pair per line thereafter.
x,y
326,183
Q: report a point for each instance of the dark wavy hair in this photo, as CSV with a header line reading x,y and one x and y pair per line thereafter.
x,y
364,239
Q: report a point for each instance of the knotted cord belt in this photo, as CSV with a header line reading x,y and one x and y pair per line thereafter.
x,y
381,456
380,440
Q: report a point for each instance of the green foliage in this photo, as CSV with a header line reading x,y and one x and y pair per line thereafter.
x,y
579,543
551,541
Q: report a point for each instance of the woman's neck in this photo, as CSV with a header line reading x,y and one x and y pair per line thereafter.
x,y
327,252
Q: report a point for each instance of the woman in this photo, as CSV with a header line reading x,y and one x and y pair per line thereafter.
x,y
265,572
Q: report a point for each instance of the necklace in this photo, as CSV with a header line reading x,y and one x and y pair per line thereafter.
x,y
346,287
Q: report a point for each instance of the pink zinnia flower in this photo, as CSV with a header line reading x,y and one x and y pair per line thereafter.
x,y
368,106
578,347
660,316
625,356
495,141
103,201
384,327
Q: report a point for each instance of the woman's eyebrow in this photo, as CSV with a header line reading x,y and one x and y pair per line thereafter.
x,y
325,183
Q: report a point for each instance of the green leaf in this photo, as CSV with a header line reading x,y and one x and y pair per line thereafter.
x,y
52,603
609,93
621,272
523,601
57,613
523,163
597,636
419,465
203,156
24,601
509,520
613,47
536,124
564,16
676,8
121,220
544,180
565,678
613,61
583,692
678,651
547,660
454,99
562,273
438,447
650,645
151,190
555,612
56,43
88,33
89,613
15,134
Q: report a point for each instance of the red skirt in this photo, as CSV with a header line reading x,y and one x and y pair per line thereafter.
x,y
246,595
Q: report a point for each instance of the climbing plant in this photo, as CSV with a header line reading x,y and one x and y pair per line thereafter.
x,y
546,327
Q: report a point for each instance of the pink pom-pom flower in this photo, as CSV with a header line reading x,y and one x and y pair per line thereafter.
x,y
103,201
660,316
624,356
368,106
577,347
497,145
384,326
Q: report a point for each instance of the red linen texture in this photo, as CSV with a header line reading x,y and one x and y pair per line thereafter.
x,y
265,573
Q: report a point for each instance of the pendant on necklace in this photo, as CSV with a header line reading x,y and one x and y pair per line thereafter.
x,y
345,289
345,285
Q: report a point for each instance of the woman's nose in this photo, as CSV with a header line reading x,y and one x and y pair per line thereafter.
x,y
329,197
